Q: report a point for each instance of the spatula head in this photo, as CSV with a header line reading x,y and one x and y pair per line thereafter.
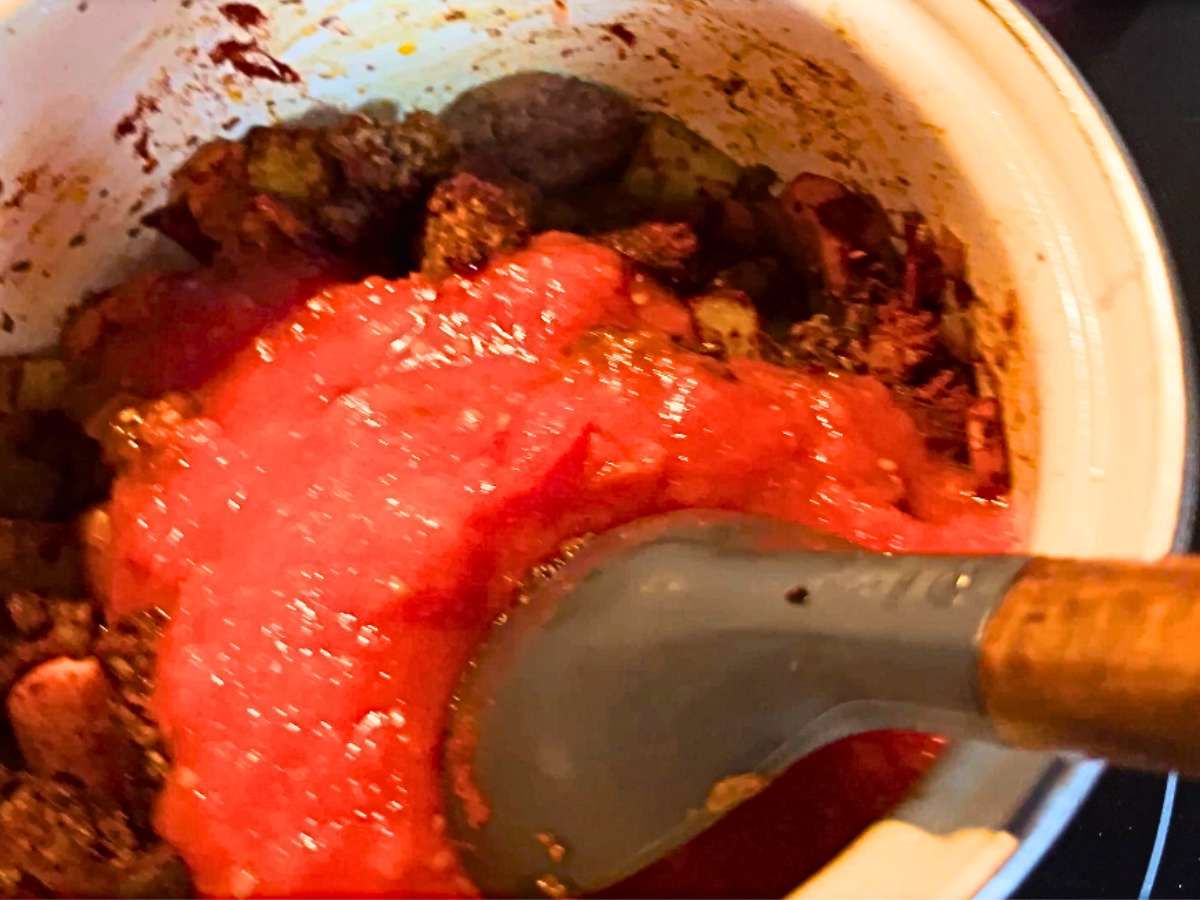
x,y
676,664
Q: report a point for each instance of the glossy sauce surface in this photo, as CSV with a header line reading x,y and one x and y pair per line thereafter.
x,y
368,482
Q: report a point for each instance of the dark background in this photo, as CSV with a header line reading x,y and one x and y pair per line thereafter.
x,y
1142,58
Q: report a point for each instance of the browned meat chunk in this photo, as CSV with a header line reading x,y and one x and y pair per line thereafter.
x,y
469,220
340,187
393,158
841,237
553,131
818,343
662,247
34,629
61,841
60,714
115,344
128,650
899,341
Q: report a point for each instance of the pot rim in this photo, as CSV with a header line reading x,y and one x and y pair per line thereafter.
x,y
1067,785
1054,787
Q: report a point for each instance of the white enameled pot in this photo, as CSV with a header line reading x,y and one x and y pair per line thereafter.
x,y
960,108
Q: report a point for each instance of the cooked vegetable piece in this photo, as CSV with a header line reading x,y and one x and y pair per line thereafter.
x,y
31,383
470,220
287,162
674,170
727,322
552,131
60,712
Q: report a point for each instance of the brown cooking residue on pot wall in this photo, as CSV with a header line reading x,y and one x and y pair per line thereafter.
x,y
244,15
622,33
134,122
253,61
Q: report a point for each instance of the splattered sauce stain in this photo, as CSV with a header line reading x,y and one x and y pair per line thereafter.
x,y
133,119
244,15
621,33
28,183
253,61
134,122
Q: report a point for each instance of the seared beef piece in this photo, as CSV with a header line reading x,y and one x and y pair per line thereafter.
x,y
820,344
34,629
211,204
552,131
128,651
39,556
469,220
899,341
61,715
386,170
172,331
396,160
211,207
58,840
174,220
344,187
841,238
662,247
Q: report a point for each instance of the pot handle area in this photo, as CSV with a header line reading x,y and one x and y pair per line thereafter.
x,y
1099,657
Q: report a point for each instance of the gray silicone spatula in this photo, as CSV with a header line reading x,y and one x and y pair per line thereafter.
x,y
675,664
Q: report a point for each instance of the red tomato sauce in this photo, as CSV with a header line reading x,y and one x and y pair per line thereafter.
x,y
370,479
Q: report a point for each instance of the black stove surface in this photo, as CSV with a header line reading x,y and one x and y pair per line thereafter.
x,y
1139,835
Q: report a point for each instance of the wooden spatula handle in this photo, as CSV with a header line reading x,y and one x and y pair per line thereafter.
x,y
1100,657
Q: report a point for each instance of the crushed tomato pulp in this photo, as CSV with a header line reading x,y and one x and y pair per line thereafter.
x,y
368,481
